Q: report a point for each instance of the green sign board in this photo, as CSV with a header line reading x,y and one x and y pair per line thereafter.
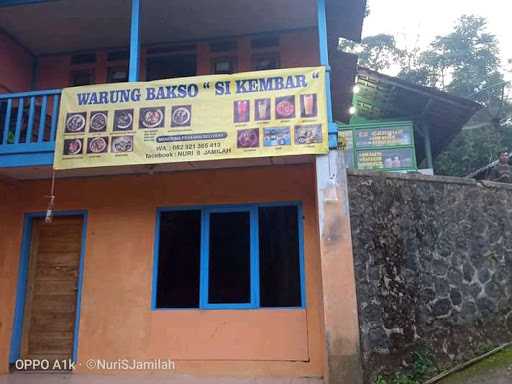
x,y
396,159
384,137
386,146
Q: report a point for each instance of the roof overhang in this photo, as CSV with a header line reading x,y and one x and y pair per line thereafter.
x,y
345,19
49,27
384,97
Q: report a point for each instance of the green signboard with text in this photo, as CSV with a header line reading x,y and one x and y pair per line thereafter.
x,y
385,146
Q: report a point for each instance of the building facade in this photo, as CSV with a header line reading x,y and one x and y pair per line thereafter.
x,y
227,267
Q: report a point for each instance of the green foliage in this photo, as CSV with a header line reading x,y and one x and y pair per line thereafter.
x,y
486,347
471,56
485,371
10,137
416,374
473,149
379,52
466,63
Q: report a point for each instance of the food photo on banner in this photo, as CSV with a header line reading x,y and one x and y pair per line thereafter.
x,y
253,114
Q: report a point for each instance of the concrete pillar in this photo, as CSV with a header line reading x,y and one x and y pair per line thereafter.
x,y
343,360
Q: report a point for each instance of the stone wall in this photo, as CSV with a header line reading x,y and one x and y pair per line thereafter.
x,y
433,260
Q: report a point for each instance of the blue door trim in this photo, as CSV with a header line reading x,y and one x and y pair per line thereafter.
x,y
21,287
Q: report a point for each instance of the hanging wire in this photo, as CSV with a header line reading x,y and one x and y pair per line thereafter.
x,y
51,203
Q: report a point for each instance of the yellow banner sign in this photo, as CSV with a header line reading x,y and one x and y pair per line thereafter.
x,y
252,114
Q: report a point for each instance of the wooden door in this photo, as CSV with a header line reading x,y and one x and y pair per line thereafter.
x,y
52,285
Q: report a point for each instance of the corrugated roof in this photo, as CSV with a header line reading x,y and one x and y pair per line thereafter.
x,y
385,97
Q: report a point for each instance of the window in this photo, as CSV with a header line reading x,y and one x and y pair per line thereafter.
x,y
264,62
82,77
229,261
178,259
229,257
170,66
117,74
265,53
224,65
224,57
279,276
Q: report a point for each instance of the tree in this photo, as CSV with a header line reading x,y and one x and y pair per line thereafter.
x,y
472,149
379,52
469,57
465,63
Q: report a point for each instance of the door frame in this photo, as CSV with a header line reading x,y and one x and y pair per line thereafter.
x,y
21,287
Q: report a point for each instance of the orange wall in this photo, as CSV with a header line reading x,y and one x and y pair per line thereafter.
x,y
297,49
15,66
116,317
53,72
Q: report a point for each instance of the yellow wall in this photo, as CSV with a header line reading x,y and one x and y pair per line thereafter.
x,y
116,317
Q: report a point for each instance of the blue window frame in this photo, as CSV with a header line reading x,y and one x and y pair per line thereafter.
x,y
228,235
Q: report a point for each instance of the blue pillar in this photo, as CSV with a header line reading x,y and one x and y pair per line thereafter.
x,y
324,61
133,72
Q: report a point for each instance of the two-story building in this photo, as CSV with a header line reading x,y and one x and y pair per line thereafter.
x,y
227,266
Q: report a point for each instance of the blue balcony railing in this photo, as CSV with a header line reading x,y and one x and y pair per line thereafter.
x,y
28,124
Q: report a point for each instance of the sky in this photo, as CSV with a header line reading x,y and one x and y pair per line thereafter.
x,y
417,22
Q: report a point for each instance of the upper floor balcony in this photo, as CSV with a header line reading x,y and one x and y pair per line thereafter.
x,y
49,45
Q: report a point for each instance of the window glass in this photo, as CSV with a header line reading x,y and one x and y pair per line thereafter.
x,y
229,258
170,66
117,74
225,65
82,77
178,259
279,257
265,62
